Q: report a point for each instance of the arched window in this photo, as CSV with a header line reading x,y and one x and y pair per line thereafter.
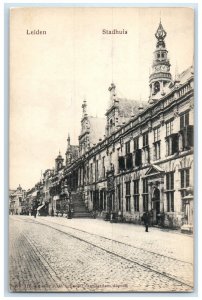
x,y
156,87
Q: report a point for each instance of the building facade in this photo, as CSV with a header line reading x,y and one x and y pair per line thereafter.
x,y
18,201
139,158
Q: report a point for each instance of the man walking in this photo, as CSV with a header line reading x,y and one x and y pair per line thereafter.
x,y
146,220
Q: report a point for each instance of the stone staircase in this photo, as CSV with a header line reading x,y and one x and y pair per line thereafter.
x,y
80,210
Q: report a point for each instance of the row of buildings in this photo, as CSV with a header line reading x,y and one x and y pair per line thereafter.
x,y
136,159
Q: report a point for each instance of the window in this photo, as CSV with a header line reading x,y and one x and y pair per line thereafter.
x,y
186,137
136,195
128,196
172,144
169,128
145,195
129,161
170,191
96,170
145,139
103,167
138,153
138,157
157,143
184,178
156,134
170,181
136,143
184,120
101,206
170,201
157,150
91,172
127,145
119,196
121,163
156,87
146,156
87,173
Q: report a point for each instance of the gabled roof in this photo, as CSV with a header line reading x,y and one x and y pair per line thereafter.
x,y
74,149
97,128
185,75
128,108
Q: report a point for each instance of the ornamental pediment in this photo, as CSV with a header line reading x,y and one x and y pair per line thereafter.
x,y
153,170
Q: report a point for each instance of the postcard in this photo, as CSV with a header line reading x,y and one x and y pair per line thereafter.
x,y
101,149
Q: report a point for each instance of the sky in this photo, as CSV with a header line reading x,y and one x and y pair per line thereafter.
x,y
51,75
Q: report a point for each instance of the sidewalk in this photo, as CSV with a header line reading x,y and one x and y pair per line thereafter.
x,y
162,241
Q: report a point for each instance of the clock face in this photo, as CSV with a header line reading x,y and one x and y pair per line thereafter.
x,y
163,68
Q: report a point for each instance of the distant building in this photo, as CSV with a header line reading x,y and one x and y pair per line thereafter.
x,y
17,201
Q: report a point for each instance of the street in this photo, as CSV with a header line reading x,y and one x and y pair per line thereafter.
x,y
81,255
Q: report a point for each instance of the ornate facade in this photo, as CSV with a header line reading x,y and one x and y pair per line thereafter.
x,y
139,158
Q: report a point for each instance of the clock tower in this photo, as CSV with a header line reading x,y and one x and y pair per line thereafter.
x,y
160,75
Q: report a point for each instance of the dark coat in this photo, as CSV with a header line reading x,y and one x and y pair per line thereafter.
x,y
146,218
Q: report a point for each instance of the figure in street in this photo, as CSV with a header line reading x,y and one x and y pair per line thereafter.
x,y
146,220
34,212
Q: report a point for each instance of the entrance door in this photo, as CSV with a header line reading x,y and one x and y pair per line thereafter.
x,y
111,201
156,205
157,211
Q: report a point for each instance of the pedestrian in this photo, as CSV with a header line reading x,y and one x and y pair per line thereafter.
x,y
34,212
146,220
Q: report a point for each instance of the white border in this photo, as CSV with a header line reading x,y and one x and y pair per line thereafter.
x,y
2,174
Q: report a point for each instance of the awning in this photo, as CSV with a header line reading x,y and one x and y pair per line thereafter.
x,y
40,207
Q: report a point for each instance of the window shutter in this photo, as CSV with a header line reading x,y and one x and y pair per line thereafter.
x,y
138,158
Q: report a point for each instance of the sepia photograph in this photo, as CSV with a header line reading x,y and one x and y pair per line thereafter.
x,y
101,149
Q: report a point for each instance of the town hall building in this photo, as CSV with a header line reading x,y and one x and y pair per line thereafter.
x,y
138,157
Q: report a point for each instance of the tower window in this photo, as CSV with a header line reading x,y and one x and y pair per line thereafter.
x,y
156,87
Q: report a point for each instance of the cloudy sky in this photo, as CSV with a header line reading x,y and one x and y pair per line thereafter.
x,y
50,75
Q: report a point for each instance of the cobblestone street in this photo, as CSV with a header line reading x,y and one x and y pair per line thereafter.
x,y
57,254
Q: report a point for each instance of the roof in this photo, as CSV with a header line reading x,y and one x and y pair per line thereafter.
x,y
97,128
185,75
74,150
128,108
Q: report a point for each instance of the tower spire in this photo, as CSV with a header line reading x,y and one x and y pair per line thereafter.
x,y
160,75
112,90
84,108
68,140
